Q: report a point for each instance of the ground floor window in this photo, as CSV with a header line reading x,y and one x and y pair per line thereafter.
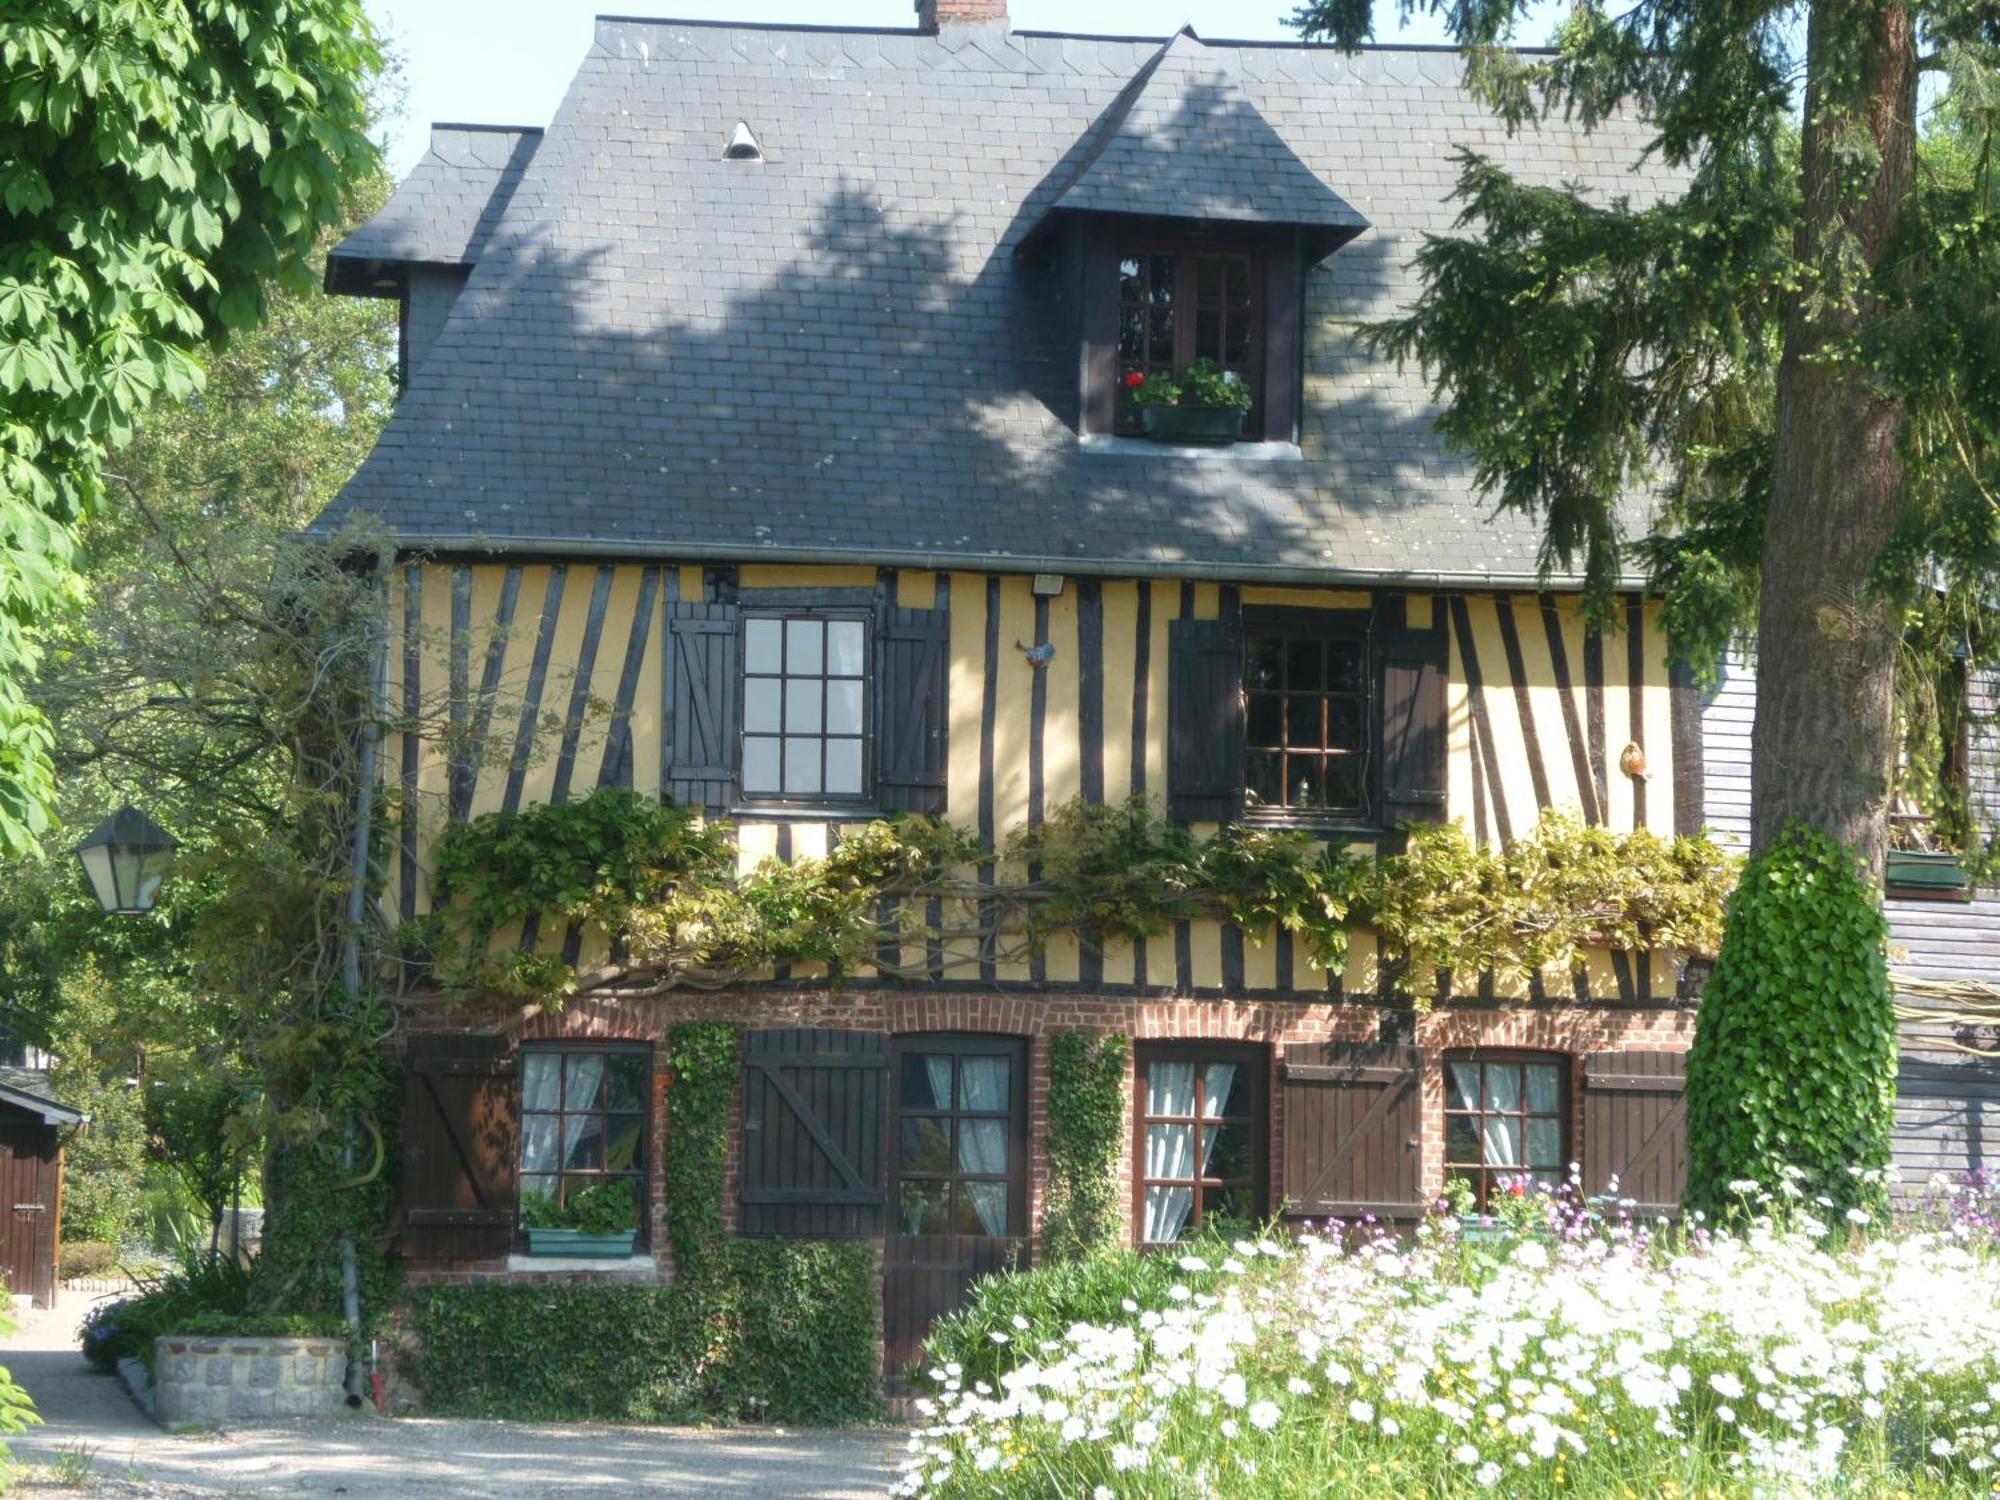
x,y
1506,1116
583,1135
1201,1137
961,1133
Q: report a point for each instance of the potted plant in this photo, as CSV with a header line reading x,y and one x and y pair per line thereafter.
x,y
1919,859
1202,404
598,1220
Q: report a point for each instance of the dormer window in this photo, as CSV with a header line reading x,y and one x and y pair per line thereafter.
x,y
1179,301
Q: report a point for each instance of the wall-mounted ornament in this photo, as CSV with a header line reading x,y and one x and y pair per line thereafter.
x,y
1632,761
1038,656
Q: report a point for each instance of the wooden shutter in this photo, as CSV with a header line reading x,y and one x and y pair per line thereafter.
x,y
461,1145
1205,719
815,1114
912,657
1413,726
701,691
1635,1128
1351,1119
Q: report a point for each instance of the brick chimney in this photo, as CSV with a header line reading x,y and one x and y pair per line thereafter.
x,y
932,14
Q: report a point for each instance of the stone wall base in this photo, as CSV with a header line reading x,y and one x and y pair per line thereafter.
x,y
221,1382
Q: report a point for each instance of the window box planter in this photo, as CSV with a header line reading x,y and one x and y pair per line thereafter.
x,y
1193,424
1924,870
1483,1229
578,1242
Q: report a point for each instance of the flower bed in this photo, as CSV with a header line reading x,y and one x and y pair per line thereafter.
x,y
1783,1359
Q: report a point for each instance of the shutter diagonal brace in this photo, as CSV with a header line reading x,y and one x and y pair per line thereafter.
x,y
1391,1093
818,1132
486,1213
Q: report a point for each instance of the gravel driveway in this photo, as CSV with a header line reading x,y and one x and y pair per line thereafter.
x,y
368,1456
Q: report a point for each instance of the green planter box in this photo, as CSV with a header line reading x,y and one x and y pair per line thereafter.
x,y
1193,424
575,1242
1917,869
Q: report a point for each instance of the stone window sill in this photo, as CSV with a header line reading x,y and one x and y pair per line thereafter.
x,y
1102,445
557,1265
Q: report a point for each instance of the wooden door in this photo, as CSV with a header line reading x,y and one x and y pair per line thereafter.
x,y
958,1197
28,1209
1635,1129
1352,1119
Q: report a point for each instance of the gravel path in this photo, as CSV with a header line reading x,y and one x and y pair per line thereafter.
x,y
370,1458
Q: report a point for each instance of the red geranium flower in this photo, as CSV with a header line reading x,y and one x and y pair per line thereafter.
x,y
1133,380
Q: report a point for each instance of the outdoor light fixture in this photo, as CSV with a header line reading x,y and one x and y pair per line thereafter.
x,y
125,858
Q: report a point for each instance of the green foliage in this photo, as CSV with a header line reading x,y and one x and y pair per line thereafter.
x,y
186,1298
702,1056
1086,1139
104,1160
1794,1057
604,1208
159,164
194,1117
787,1334
85,1259
1203,383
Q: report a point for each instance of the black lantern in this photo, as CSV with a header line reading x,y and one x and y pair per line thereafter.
x,y
126,857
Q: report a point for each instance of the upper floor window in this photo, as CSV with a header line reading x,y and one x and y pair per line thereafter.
x,y
805,707
1178,304
1306,721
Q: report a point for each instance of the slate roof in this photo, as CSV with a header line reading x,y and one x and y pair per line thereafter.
x,y
445,210
837,352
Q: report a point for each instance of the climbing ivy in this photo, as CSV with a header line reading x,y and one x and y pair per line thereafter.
x,y
1086,1138
663,884
1794,1062
702,1056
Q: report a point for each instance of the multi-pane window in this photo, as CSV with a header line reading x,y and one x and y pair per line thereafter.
x,y
805,692
583,1124
1306,723
1177,305
1200,1139
1505,1117
958,1127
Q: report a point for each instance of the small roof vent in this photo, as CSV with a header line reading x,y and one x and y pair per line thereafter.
x,y
742,144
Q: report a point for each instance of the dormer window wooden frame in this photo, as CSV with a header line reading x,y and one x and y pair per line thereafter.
x,y
1160,294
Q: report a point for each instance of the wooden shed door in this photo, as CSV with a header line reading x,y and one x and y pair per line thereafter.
x,y
1635,1128
28,1209
1350,1130
959,1202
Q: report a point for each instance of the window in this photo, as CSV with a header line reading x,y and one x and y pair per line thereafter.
x,y
583,1123
1201,1139
1505,1116
1178,303
960,1125
1306,720
805,708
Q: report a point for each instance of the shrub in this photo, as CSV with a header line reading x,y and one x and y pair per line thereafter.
x,y
186,1299
81,1259
1792,1073
1086,1139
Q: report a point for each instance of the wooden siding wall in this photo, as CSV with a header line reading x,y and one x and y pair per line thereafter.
x,y
552,676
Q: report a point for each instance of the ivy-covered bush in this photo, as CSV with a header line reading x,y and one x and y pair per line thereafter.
x,y
703,1057
1794,1060
1086,1138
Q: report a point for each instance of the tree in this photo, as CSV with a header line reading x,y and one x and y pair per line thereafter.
x,y
1804,344
162,162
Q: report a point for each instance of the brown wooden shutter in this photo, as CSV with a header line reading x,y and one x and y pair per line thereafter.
x,y
701,692
1205,719
461,1146
1413,726
815,1117
1351,1119
1635,1128
912,659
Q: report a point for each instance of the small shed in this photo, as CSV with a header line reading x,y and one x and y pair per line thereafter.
x,y
31,1167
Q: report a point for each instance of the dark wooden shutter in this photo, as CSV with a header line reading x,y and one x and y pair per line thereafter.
x,y
701,690
461,1145
1205,719
912,659
1413,726
1635,1128
815,1114
1351,1119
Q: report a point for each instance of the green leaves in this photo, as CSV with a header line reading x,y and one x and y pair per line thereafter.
x,y
1086,1138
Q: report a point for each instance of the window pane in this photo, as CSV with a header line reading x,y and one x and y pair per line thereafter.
x,y
1131,281
982,1146
1236,347
1343,783
1163,279
621,1144
1302,723
843,768
1501,1139
1343,723
1461,1139
630,1081
843,648
1302,665
760,765
804,640
982,1209
1265,719
583,1141
1239,281
1265,779
802,765
1225,1151
1343,667
760,705
924,1207
982,1082
533,1188
1168,1210
1503,1086
1170,1088
538,1143
583,1080
926,1081
763,646
1225,1089
926,1145
1208,280
1542,1090
1303,781
1131,336
802,705
1226,1203
1545,1144
843,707
1208,336
1169,1151
1263,664
1160,336
1461,1085
541,1080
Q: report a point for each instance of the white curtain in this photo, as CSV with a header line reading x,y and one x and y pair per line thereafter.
x,y
938,1071
1169,1149
1464,1086
989,1201
541,1080
538,1144
586,1080
1170,1088
982,1148
1502,1137
1215,1082
982,1083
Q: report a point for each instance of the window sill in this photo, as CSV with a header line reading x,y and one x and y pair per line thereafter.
x,y
1106,445
839,812
1298,824
638,1263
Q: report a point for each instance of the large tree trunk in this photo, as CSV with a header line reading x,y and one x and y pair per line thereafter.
x,y
1824,741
